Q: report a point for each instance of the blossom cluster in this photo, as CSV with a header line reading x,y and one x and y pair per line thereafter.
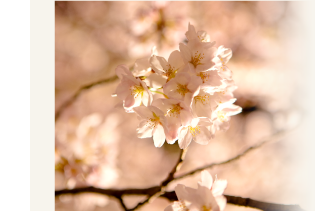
x,y
187,97
207,197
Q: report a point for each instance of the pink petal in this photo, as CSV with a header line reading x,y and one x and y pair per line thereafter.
x,y
185,52
176,60
129,101
206,179
158,136
218,187
184,138
158,64
191,33
122,70
143,112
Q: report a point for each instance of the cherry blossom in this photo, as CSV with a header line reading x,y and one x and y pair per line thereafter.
x,y
221,116
191,34
177,114
167,68
207,197
131,90
222,58
200,130
152,123
183,87
203,104
198,56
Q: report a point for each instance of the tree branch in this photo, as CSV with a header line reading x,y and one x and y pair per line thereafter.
x,y
274,137
159,191
76,95
122,203
247,202
165,182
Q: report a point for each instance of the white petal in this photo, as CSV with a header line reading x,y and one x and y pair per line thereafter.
x,y
182,78
204,136
129,101
206,179
184,138
158,64
221,201
182,192
143,112
176,60
218,187
185,117
232,110
122,70
184,50
191,33
144,131
207,198
194,122
157,111
158,136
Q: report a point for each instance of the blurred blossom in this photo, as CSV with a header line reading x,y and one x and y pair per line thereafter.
x,y
87,151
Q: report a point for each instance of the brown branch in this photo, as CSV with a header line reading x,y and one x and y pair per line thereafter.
x,y
165,182
159,191
110,192
235,200
122,203
247,202
76,95
175,168
275,136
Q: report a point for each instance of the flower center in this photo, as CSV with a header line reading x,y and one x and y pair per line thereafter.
x,y
205,208
221,115
152,122
182,206
194,130
175,110
196,59
137,90
182,89
202,99
204,76
170,72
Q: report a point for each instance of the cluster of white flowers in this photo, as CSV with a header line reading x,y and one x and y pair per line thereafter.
x,y
208,196
195,98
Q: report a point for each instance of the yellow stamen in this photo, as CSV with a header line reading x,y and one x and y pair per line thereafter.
x,y
221,115
182,206
137,90
204,76
170,72
182,89
205,208
152,122
196,60
194,130
175,110
202,99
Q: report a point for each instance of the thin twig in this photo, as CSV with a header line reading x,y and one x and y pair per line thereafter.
x,y
76,95
176,167
122,203
275,136
165,182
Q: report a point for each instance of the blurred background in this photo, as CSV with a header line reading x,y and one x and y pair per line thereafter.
x,y
96,143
